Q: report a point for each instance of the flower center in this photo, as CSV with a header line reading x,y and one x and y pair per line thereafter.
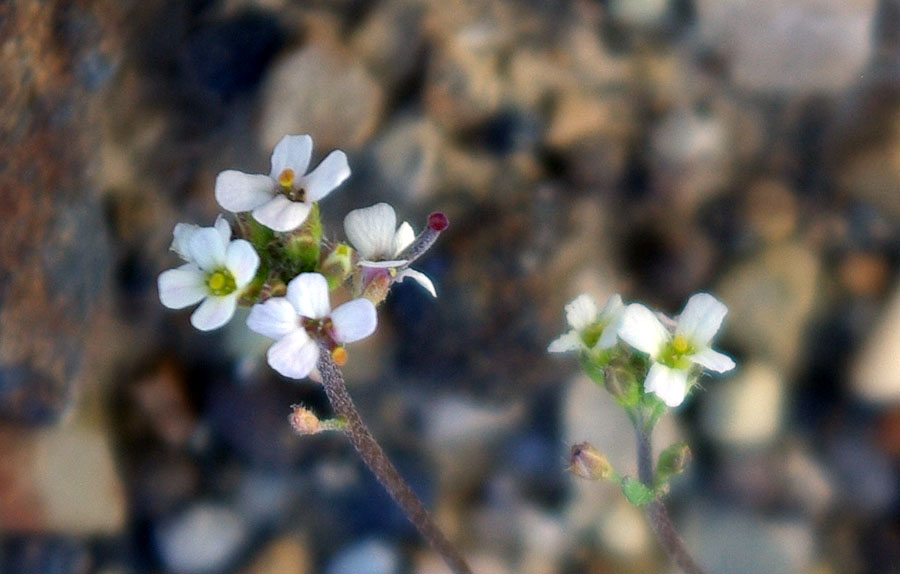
x,y
676,352
286,180
221,283
592,334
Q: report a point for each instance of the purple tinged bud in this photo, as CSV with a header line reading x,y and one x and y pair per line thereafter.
x,y
587,462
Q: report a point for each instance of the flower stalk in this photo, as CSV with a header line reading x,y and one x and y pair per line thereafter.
x,y
656,512
375,459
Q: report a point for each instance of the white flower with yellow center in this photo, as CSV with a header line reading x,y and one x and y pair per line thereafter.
x,y
283,199
374,234
590,328
675,354
303,319
216,272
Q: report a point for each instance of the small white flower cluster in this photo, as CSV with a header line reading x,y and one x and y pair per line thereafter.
x,y
277,264
673,347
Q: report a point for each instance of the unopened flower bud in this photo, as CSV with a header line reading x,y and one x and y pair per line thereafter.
x,y
621,384
587,462
673,460
337,265
304,421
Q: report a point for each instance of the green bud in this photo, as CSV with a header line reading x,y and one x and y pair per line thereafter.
x,y
637,492
337,265
587,462
673,461
622,385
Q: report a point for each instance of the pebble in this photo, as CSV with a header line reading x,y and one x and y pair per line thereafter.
x,y
205,538
60,480
805,46
367,557
316,90
286,554
746,410
770,299
876,369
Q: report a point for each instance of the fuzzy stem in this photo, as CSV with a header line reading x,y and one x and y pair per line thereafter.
x,y
656,511
374,457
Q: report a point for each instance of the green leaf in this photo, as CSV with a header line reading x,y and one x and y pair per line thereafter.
x,y
636,492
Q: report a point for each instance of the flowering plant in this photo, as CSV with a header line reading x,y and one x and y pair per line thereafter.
x,y
282,266
648,362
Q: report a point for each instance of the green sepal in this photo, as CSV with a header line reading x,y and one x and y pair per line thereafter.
x,y
672,461
637,492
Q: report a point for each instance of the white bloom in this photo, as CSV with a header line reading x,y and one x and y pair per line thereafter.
x,y
674,354
590,329
374,234
283,199
304,314
216,272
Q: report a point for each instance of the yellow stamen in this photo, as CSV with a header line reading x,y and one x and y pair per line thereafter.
x,y
217,281
340,356
680,344
286,178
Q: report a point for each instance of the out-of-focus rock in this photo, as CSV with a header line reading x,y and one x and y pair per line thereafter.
x,y
623,530
390,41
316,90
808,481
868,482
734,541
54,254
864,274
46,553
162,404
690,157
463,85
206,537
876,369
746,410
639,13
368,557
770,209
60,480
797,47
770,298
284,555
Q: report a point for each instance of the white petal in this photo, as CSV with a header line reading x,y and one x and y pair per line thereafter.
x,y
642,330
214,312
282,214
701,318
581,312
180,238
403,238
354,320
182,287
207,249
308,293
382,264
294,356
237,191
329,174
419,278
566,342
274,319
371,231
612,315
669,384
292,152
713,360
241,259
223,227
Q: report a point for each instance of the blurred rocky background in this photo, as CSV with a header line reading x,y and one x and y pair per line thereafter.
x,y
650,147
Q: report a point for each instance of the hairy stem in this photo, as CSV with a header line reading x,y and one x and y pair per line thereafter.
x,y
656,511
374,457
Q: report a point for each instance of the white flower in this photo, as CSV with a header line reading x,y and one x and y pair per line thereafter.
x,y
374,234
216,272
675,354
304,315
590,329
283,199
